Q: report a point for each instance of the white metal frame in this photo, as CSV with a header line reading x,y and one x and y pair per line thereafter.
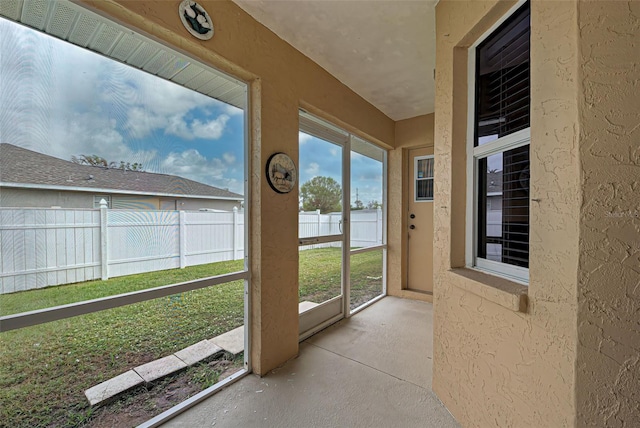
x,y
332,310
474,154
415,178
382,247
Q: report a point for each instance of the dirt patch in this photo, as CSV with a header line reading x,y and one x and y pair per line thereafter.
x,y
143,403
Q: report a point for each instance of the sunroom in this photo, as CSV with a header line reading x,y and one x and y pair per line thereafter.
x,y
197,199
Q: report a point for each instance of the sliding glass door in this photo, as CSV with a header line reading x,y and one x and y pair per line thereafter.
x,y
341,239
322,223
367,232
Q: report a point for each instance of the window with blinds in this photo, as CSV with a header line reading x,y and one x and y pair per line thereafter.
x,y
502,79
424,178
501,147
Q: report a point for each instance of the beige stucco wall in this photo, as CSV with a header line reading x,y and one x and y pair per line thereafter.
x,y
608,366
281,80
499,361
410,133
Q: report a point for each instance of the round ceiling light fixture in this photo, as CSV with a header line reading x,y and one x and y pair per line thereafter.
x,y
196,20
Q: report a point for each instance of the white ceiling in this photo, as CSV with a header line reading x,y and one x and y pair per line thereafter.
x,y
384,50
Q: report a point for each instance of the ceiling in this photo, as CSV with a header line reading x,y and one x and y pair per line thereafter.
x,y
384,50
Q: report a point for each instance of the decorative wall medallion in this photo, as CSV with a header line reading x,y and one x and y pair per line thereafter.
x,y
196,20
281,173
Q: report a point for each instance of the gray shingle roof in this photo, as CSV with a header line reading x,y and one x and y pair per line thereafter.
x,y
19,165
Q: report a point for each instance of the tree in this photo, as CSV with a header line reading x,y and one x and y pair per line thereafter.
x,y
357,205
321,193
95,160
374,205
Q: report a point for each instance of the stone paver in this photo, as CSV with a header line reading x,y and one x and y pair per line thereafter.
x,y
160,368
231,341
112,387
305,306
198,352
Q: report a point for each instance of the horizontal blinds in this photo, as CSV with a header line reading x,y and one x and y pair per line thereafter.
x,y
503,78
503,233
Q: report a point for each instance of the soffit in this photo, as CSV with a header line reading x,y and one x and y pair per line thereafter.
x,y
383,50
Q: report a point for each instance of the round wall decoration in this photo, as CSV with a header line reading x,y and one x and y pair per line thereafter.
x,y
281,173
195,19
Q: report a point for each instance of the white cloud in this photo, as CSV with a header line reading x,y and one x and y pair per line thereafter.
x,y
211,130
190,163
178,127
303,138
313,169
229,158
141,122
232,110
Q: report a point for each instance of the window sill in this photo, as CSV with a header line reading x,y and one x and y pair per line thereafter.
x,y
500,291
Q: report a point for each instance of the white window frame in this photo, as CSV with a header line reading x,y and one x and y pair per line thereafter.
x,y
474,154
415,178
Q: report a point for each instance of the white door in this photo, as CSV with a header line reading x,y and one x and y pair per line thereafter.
x,y
420,221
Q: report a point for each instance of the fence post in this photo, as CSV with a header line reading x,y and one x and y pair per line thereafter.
x,y
378,225
182,221
235,232
104,240
319,222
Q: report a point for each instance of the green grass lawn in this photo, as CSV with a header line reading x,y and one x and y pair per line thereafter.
x,y
45,369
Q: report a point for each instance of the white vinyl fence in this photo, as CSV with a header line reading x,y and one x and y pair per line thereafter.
x,y
366,227
43,247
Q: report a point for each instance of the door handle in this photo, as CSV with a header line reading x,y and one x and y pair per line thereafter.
x,y
412,227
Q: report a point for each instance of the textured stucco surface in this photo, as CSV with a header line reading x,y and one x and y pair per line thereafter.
x,y
494,365
281,79
390,49
409,133
608,367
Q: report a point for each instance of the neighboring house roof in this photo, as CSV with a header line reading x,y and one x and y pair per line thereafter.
x,y
494,183
20,167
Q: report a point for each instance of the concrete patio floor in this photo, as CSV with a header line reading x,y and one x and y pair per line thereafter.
x,y
371,370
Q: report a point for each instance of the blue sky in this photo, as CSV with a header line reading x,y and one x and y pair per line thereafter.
x,y
62,100
321,158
